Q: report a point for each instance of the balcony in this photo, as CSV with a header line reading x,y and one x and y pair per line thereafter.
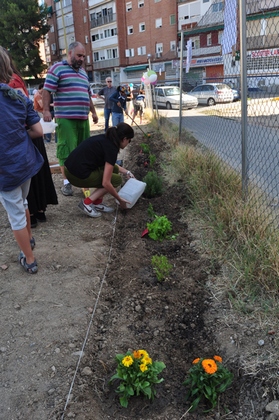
x,y
102,20
102,64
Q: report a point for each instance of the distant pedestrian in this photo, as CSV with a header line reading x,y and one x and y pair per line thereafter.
x,y
69,84
38,106
119,105
129,100
105,94
139,105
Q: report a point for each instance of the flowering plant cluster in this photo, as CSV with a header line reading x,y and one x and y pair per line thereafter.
x,y
207,378
138,374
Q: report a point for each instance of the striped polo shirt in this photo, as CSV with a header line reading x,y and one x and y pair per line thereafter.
x,y
71,91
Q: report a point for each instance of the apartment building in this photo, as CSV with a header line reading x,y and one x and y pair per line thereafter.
x,y
69,21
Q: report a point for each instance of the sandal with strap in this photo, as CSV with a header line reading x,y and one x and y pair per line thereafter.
x,y
29,268
32,243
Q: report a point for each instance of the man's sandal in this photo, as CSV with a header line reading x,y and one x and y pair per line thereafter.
x,y
32,243
29,268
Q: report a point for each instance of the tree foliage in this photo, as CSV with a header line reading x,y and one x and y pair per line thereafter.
x,y
23,24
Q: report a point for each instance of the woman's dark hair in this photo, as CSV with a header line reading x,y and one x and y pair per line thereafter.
x,y
6,70
41,85
117,134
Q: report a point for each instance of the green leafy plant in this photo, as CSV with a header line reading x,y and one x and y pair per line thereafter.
x,y
161,266
152,159
154,184
159,228
145,148
137,374
207,378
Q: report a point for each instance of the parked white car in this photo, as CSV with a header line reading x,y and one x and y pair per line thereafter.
x,y
169,97
96,101
212,93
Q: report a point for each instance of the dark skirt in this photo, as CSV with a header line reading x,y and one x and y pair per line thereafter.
x,y
42,191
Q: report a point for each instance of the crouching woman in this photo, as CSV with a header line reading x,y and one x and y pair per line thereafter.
x,y
93,165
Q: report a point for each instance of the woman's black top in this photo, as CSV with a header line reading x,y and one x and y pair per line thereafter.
x,y
90,155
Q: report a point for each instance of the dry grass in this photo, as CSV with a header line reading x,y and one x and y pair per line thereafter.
x,y
237,234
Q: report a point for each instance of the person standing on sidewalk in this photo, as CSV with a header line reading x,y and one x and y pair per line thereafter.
x,y
105,94
69,84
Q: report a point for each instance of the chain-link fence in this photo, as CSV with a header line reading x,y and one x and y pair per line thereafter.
x,y
242,133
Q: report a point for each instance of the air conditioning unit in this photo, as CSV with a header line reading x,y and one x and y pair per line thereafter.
x,y
116,70
158,55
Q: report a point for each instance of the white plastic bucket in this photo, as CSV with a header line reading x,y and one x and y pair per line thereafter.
x,y
48,127
132,191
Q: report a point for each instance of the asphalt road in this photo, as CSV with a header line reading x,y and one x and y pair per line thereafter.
x,y
224,137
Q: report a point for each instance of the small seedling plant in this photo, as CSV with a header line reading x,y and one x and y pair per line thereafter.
x,y
145,148
161,266
207,378
137,374
159,228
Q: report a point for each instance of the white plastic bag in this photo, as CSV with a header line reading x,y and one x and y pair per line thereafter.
x,y
48,127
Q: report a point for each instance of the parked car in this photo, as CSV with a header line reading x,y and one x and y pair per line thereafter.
x,y
169,97
212,93
96,101
236,95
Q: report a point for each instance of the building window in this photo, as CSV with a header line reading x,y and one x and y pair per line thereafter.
x,y
173,45
95,37
209,40
142,51
88,59
130,30
156,1
142,27
196,42
86,39
130,52
84,19
205,1
217,7
140,3
172,20
128,6
220,37
114,31
158,23
159,48
96,56
52,28
112,53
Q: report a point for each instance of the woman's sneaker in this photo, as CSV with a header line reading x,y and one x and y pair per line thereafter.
x,y
88,209
102,208
67,189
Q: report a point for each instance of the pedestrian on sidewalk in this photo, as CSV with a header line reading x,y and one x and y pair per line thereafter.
x,y
69,84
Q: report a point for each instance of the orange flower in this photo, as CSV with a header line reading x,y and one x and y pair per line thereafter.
x,y
136,354
218,359
209,366
196,361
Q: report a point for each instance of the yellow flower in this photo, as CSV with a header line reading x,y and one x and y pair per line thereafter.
x,y
143,353
143,367
218,359
209,366
146,360
194,362
127,361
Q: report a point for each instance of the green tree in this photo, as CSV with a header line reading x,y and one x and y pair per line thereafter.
x,y
23,24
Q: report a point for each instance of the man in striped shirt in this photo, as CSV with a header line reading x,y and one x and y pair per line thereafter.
x,y
69,84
